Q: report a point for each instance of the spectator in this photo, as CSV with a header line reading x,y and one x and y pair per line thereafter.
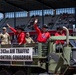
x,y
20,34
28,38
43,34
5,37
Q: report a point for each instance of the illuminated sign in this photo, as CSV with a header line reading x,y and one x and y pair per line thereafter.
x,y
16,54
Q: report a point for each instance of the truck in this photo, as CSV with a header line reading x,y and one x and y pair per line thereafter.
x,y
40,58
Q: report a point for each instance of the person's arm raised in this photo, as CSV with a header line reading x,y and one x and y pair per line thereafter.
x,y
36,27
36,21
12,28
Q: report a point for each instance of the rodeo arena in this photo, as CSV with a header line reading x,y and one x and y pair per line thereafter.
x,y
37,37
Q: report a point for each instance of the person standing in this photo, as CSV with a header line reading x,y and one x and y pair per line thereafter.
x,y
43,34
5,37
19,33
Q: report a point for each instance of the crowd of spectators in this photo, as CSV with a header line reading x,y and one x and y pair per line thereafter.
x,y
67,20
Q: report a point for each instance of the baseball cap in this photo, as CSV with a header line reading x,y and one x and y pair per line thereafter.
x,y
20,28
27,33
4,28
60,28
45,26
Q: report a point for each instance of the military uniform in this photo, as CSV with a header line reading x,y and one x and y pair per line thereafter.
x,y
29,40
5,38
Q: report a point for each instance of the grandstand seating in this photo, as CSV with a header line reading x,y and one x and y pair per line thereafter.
x,y
52,21
66,20
27,22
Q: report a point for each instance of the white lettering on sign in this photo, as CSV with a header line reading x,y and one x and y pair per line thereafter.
x,y
16,54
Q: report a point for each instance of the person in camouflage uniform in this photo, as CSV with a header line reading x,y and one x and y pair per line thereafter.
x,y
5,37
